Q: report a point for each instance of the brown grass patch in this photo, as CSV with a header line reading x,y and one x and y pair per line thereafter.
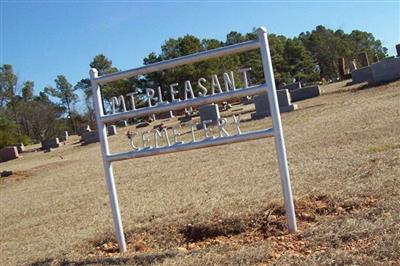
x,y
53,165
268,224
208,207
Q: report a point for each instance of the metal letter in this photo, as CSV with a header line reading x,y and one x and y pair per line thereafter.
x,y
221,126
244,72
215,84
203,90
188,89
173,92
229,81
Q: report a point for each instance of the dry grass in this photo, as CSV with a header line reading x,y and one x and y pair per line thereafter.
x,y
221,205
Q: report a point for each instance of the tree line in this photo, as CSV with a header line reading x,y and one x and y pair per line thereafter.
x,y
310,57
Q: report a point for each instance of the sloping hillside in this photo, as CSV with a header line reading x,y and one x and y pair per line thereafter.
x,y
221,205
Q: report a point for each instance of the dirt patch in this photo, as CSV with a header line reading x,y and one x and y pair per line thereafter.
x,y
16,176
201,232
363,244
267,224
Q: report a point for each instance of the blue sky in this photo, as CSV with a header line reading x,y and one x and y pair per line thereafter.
x,y
43,39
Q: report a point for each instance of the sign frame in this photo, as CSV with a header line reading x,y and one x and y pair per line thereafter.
x,y
268,87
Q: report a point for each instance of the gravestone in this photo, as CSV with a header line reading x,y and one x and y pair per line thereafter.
x,y
209,112
376,58
179,112
50,143
305,93
83,129
262,104
90,137
363,59
388,57
20,147
385,70
291,86
166,115
142,124
363,74
111,130
65,135
353,65
187,117
8,153
122,123
160,127
246,100
6,173
398,49
342,67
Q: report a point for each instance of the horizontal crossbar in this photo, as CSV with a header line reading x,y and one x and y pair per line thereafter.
x,y
175,62
208,142
161,108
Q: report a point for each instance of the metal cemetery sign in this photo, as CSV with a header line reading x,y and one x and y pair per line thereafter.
x,y
191,101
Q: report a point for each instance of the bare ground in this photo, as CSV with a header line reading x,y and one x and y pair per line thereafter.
x,y
221,205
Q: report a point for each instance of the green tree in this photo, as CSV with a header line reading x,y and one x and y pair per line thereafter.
x,y
9,91
363,41
327,46
8,132
85,86
66,93
43,118
299,64
102,64
323,45
8,84
27,90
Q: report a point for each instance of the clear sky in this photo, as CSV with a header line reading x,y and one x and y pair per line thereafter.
x,y
43,39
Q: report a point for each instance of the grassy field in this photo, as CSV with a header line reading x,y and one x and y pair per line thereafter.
x,y
221,205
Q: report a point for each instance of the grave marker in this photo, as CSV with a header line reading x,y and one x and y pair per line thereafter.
x,y
20,147
90,137
305,93
209,112
51,143
8,153
83,129
363,59
342,67
65,135
111,130
362,74
291,86
165,115
263,108
217,95
385,70
353,65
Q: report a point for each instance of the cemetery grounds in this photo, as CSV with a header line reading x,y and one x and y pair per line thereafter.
x,y
221,205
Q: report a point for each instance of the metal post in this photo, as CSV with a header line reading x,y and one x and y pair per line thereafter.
x,y
112,192
277,126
